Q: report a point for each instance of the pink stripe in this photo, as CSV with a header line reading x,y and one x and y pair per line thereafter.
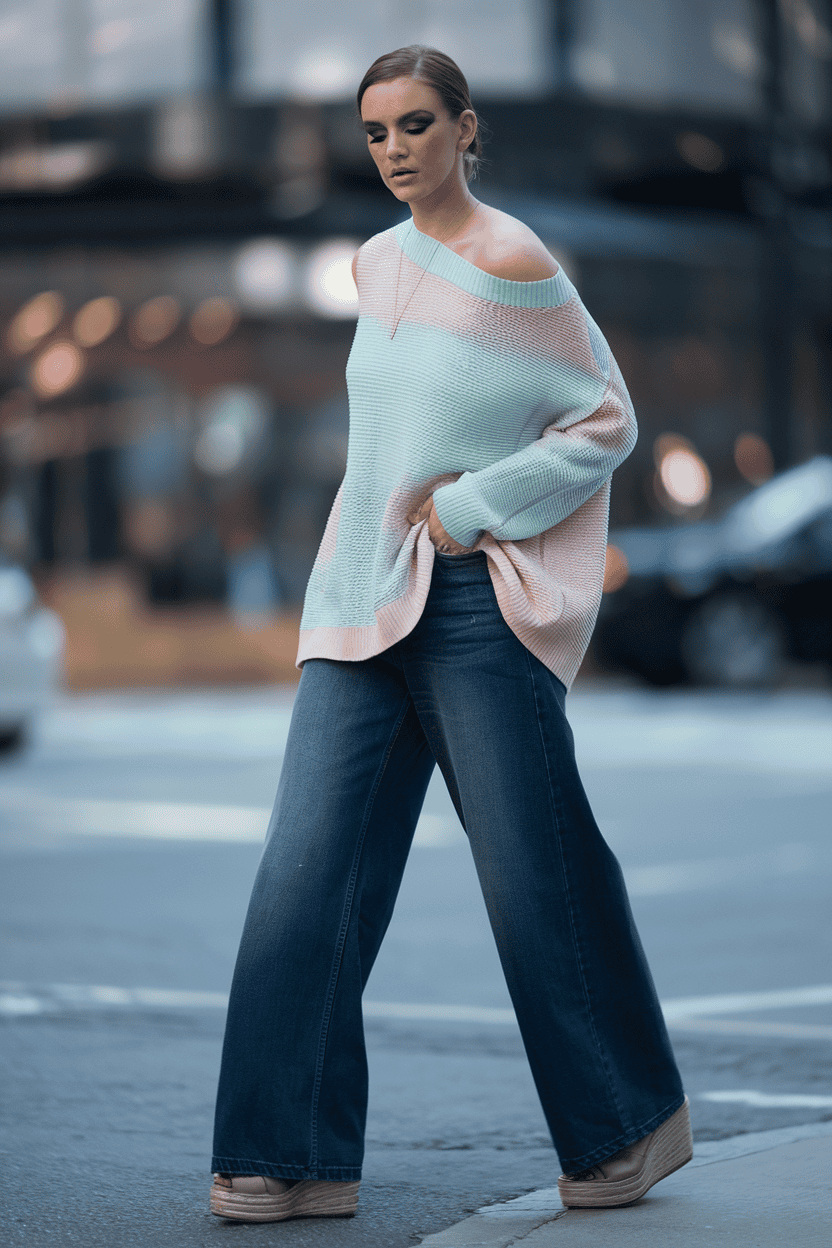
x,y
551,335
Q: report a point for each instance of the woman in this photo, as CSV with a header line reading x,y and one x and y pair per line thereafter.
x,y
449,608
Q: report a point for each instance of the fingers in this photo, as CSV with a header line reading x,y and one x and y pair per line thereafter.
x,y
422,512
449,547
440,539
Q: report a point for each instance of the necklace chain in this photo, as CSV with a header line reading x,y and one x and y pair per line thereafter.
x,y
457,221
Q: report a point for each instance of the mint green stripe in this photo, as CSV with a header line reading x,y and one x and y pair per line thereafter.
x,y
438,259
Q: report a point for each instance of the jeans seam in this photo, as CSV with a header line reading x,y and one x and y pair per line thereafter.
x,y
342,934
575,941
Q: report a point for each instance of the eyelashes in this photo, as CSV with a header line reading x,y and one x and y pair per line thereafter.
x,y
376,138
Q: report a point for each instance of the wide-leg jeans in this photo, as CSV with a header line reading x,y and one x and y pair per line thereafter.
x,y
463,692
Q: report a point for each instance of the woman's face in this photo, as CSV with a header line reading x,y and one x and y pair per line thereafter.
x,y
415,143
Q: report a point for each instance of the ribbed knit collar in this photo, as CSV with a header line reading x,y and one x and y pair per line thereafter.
x,y
440,260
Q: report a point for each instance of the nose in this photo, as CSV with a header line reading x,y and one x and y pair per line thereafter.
x,y
395,144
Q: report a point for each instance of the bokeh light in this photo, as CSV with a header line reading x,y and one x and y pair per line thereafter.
x,y
58,368
324,73
683,480
96,320
214,320
154,321
219,448
264,272
753,457
700,151
234,419
330,288
616,569
34,321
685,477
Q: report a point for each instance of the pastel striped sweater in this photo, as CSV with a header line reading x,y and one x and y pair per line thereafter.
x,y
502,399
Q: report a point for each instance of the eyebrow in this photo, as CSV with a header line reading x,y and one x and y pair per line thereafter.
x,y
404,119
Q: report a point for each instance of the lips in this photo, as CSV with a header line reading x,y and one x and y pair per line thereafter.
x,y
402,173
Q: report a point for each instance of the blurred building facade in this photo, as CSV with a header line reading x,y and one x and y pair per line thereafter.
x,y
182,186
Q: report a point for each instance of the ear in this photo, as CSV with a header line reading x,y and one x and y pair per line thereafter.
x,y
467,129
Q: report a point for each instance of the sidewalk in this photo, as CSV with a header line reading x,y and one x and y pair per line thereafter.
x,y
764,1190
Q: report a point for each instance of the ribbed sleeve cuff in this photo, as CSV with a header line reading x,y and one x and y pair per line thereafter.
x,y
459,510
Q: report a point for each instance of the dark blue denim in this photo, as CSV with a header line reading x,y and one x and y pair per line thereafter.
x,y
461,691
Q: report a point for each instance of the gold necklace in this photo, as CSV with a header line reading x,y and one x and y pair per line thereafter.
x,y
457,221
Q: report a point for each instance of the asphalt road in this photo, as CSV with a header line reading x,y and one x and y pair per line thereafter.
x,y
129,838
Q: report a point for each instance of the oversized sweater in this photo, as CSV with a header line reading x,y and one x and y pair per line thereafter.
x,y
502,400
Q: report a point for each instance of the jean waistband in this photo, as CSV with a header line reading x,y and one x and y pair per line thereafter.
x,y
468,557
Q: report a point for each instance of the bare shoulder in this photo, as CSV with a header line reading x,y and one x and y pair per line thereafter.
x,y
508,249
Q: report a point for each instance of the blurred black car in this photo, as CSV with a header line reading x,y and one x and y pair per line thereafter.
x,y
726,602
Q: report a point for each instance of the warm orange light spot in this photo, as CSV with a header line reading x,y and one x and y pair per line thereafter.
x,y
214,320
753,458
34,321
667,442
616,569
96,320
57,368
154,321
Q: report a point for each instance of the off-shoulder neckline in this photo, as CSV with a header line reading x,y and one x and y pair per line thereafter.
x,y
435,257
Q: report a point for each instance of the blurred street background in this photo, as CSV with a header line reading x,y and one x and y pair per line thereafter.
x,y
182,188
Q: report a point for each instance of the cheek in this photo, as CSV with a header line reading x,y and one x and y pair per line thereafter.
x,y
440,154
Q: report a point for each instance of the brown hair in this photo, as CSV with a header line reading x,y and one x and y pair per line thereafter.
x,y
439,72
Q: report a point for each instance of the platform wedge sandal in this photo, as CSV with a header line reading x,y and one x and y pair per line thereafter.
x,y
629,1173
257,1198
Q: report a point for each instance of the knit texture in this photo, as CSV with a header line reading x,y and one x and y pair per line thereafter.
x,y
502,400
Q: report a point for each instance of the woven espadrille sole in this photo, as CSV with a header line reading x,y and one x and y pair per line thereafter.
x,y
313,1199
671,1149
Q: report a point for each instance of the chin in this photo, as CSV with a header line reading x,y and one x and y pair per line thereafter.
x,y
402,193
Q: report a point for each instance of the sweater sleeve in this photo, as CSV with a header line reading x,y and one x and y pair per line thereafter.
x,y
535,488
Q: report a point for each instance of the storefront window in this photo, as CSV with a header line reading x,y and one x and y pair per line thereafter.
x,y
669,52
320,50
66,52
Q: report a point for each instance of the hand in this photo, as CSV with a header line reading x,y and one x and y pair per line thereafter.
x,y
441,540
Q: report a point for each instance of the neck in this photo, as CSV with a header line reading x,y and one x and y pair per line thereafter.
x,y
443,212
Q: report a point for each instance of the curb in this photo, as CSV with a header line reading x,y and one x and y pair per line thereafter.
x,y
500,1225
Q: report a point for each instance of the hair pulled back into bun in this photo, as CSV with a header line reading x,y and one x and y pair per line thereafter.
x,y
438,71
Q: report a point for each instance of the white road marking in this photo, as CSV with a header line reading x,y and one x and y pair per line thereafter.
x,y
747,1002
25,999
245,724
781,734
752,1027
181,821
766,1100
785,733
18,1003
187,821
151,820
440,1013
22,999
438,832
